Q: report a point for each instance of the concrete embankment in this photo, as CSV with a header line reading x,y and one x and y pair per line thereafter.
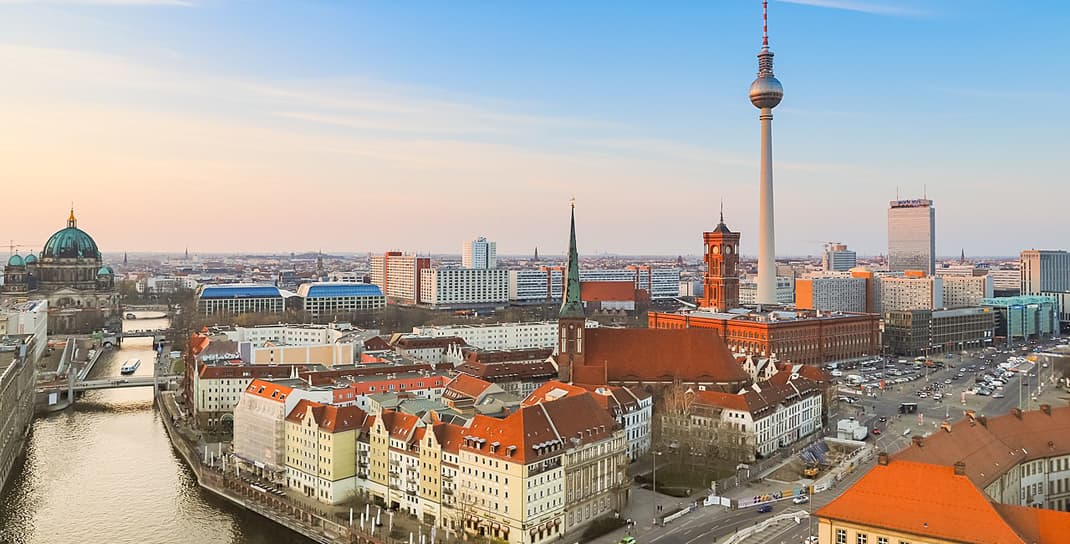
x,y
278,509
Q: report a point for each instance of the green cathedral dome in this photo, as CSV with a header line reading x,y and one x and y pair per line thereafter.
x,y
71,242
15,260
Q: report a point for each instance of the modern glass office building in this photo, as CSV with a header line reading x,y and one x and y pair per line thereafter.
x,y
912,236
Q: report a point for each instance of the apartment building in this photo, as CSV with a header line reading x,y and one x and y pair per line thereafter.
x,y
500,336
398,275
831,294
758,420
966,291
1048,273
631,408
915,291
463,287
321,457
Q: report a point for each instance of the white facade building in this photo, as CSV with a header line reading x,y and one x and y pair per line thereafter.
x,y
966,291
454,287
501,336
748,291
911,293
545,284
831,293
479,253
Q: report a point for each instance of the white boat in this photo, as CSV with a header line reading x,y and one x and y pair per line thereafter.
x,y
130,366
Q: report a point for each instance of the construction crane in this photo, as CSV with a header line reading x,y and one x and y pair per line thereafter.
x,y
14,247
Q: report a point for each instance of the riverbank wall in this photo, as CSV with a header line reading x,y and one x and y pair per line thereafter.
x,y
17,377
231,487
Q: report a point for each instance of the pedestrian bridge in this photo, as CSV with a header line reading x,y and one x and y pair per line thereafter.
x,y
110,383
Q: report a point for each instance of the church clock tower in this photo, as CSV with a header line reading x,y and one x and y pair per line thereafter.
x,y
571,318
721,283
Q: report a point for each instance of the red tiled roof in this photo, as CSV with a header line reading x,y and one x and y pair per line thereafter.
x,y
922,499
423,342
268,390
1037,525
611,291
328,417
479,356
197,343
990,446
503,372
468,386
538,432
449,436
376,343
401,425
762,398
659,355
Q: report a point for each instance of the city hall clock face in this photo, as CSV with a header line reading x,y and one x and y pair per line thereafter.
x,y
716,250
728,250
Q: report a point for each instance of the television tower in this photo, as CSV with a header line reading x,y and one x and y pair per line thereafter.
x,y
765,93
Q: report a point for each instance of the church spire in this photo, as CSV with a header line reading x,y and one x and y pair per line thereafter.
x,y
571,305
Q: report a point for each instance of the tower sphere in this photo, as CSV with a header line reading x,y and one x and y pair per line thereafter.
x,y
766,92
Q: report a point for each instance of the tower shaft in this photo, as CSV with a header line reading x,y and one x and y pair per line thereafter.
x,y
766,237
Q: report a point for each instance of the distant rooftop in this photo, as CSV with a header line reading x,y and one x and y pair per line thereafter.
x,y
338,289
242,290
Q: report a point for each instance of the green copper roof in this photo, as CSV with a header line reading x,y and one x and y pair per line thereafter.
x,y
71,242
571,305
15,260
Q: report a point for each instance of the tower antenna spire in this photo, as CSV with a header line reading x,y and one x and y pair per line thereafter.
x,y
722,210
765,24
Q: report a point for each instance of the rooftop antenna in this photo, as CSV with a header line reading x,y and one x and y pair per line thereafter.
x,y
722,210
925,192
765,24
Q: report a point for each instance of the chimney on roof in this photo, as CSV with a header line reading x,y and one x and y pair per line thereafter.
x,y
882,458
1046,408
918,441
960,469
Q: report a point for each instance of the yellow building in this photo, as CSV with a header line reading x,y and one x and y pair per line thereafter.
x,y
321,450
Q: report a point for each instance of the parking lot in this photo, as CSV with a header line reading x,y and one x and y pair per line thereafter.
x,y
917,396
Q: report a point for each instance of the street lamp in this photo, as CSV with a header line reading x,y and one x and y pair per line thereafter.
x,y
654,457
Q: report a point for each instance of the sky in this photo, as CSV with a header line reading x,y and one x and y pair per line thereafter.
x,y
241,125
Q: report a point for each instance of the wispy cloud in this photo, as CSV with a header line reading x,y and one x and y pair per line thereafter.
x,y
862,7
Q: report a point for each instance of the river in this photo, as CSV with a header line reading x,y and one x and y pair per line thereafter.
x,y
104,472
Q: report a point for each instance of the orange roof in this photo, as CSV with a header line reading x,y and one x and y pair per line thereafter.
x,y
329,418
197,343
613,291
990,446
658,355
540,431
449,436
469,386
268,390
1037,525
924,500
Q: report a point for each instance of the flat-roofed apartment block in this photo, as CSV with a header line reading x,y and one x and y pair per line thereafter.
x,y
398,275
1046,272
966,291
500,336
463,287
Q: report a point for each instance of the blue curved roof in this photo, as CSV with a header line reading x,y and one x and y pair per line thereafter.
x,y
31,258
240,291
340,289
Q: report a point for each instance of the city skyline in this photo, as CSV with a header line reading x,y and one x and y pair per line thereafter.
x,y
180,114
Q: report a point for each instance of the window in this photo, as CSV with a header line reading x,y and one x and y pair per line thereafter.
x,y
841,536
882,540
861,538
